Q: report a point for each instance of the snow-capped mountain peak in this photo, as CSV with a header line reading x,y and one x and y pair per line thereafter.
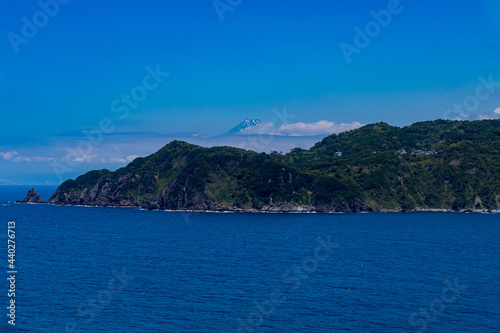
x,y
244,124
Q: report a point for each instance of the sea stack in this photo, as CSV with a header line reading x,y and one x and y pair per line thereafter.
x,y
32,197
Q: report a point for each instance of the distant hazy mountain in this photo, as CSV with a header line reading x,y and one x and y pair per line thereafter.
x,y
244,124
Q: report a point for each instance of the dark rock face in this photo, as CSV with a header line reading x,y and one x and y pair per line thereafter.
x,y
32,197
107,194
178,196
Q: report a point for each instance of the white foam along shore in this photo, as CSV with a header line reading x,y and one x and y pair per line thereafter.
x,y
277,211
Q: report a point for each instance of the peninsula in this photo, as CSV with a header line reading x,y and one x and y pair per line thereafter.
x,y
434,165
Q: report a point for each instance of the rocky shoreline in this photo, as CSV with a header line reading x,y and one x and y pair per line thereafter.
x,y
33,197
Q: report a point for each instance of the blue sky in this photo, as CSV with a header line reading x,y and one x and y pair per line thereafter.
x,y
63,78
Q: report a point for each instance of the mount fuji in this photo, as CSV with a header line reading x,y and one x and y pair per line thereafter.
x,y
241,126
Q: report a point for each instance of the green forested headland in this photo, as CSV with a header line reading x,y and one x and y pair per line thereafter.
x,y
449,165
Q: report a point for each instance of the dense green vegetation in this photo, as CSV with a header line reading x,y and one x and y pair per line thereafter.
x,y
428,165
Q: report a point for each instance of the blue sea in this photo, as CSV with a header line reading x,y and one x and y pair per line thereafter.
x,y
82,269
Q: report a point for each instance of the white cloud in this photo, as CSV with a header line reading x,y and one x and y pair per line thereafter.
x,y
483,116
112,159
458,116
489,115
14,156
117,160
318,128
85,158
9,155
22,159
321,127
42,159
130,158
266,128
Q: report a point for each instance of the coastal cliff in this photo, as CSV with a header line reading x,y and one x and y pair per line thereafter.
x,y
439,165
